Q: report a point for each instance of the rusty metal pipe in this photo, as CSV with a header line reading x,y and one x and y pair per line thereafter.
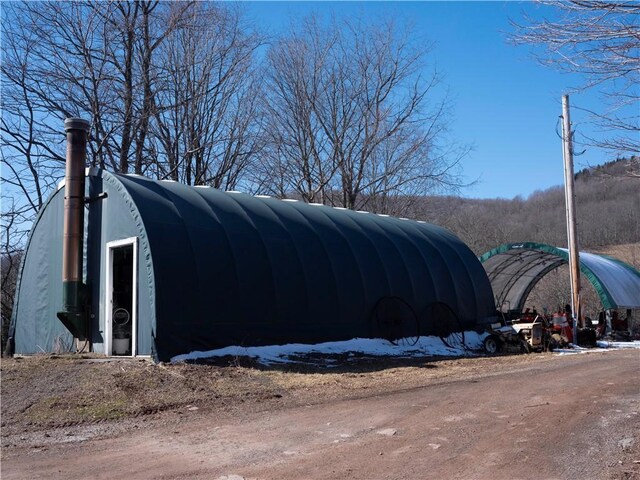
x,y
73,316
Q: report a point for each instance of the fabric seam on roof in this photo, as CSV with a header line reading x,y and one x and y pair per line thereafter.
x,y
227,240
266,250
321,241
362,232
403,234
439,285
292,242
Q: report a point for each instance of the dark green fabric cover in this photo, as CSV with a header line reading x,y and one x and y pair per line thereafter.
x,y
236,269
219,268
34,324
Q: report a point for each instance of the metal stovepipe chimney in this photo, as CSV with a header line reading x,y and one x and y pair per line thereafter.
x,y
74,315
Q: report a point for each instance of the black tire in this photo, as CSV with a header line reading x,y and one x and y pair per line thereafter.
x,y
454,340
555,342
447,324
491,344
524,345
396,321
408,339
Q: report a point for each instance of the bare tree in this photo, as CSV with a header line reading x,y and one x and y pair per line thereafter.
x,y
128,66
30,156
352,118
205,118
109,61
389,143
600,40
64,70
298,156
12,237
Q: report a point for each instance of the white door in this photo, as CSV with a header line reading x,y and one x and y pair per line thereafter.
x,y
121,302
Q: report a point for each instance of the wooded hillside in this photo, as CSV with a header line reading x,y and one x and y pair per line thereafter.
x,y
608,212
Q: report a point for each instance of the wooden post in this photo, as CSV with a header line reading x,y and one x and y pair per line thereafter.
x,y
570,202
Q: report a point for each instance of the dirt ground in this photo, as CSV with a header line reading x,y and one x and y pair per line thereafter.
x,y
538,416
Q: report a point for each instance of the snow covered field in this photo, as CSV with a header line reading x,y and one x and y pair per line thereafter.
x,y
365,346
376,347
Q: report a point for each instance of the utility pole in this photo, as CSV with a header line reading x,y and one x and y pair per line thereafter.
x,y
570,202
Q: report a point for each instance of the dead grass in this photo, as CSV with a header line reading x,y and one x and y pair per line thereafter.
x,y
49,391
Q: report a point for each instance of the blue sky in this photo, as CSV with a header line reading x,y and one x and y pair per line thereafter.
x,y
506,105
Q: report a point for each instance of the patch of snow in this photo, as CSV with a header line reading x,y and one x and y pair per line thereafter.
x,y
574,349
365,346
603,346
606,344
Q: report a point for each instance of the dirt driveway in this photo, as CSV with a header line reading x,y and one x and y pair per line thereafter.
x,y
562,417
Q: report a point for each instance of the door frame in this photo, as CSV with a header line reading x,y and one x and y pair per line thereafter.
x,y
108,304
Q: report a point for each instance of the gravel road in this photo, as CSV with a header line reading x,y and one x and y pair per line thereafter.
x,y
568,417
